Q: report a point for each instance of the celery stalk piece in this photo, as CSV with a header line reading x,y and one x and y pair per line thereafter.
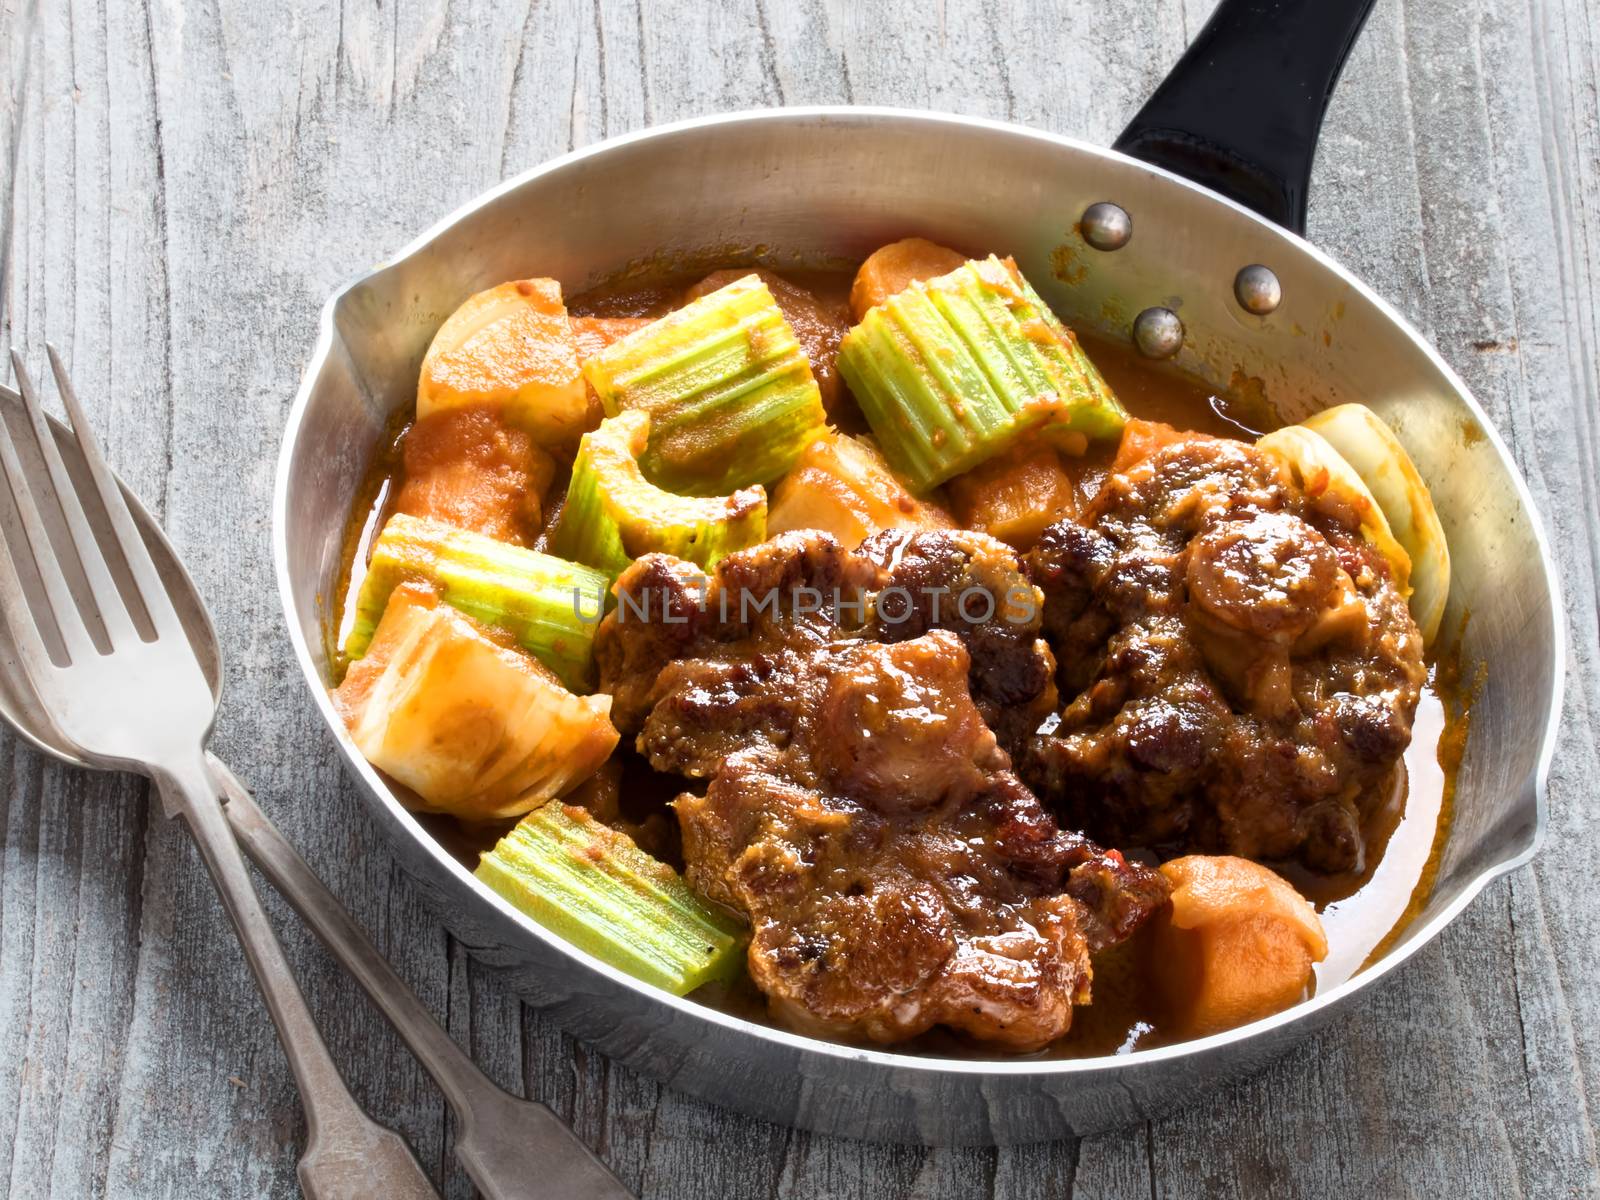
x,y
954,370
593,886
729,390
614,515
552,607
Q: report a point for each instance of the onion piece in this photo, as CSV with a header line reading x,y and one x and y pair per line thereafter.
x,y
1368,444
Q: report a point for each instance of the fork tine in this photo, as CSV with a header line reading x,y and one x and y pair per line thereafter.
x,y
157,601
26,644
113,612
63,606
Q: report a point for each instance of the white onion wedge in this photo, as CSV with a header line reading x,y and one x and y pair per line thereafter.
x,y
476,729
1370,446
1331,482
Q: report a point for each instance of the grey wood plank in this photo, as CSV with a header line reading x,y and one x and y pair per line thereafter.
x,y
69,925
487,1021
189,183
16,52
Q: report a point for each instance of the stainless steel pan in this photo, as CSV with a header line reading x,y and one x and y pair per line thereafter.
x,y
810,185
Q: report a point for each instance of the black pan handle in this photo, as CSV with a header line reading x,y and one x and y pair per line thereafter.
x,y
1241,111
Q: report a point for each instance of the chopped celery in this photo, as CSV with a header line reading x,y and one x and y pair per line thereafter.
x,y
730,394
954,370
593,886
551,606
474,728
614,515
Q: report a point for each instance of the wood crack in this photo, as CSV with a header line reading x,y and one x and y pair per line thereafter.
x,y
515,88
160,165
769,51
600,66
644,70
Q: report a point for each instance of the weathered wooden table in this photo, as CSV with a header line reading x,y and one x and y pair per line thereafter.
x,y
188,181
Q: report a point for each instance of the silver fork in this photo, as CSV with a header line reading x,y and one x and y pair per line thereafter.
x,y
120,682
512,1148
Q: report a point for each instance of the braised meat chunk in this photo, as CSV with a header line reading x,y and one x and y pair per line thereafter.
x,y
896,874
897,727
1238,666
849,944
973,585
700,666
860,811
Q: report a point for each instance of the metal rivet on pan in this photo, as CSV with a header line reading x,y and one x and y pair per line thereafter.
x,y
1257,289
1158,333
1106,226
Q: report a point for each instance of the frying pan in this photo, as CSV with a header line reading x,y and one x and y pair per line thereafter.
x,y
1210,178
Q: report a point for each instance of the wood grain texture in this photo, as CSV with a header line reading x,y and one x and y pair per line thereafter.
x,y
188,180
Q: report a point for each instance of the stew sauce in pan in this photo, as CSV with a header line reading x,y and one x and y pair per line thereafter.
x,y
1361,911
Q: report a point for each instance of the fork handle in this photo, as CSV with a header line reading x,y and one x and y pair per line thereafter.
x,y
348,1156
511,1148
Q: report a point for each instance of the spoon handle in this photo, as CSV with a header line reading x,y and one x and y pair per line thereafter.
x,y
510,1147
348,1155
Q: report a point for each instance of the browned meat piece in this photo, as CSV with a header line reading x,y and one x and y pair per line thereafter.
x,y
743,630
467,467
878,949
637,641
818,327
708,709
860,812
1267,574
971,584
1239,670
897,728
896,874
